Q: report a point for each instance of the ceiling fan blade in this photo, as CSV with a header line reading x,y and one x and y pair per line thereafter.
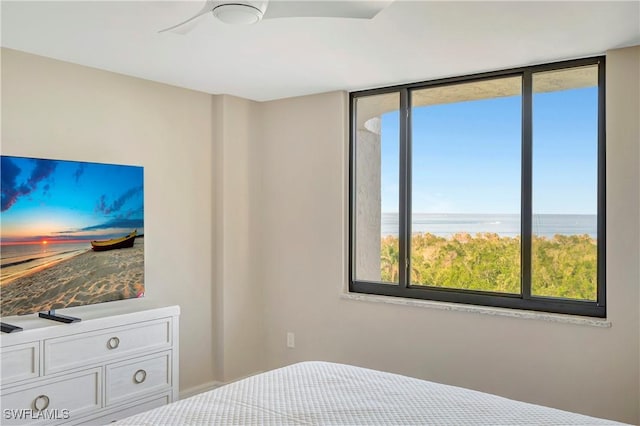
x,y
183,28
323,8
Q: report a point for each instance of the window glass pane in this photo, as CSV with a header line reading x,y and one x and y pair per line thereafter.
x,y
377,154
466,156
565,183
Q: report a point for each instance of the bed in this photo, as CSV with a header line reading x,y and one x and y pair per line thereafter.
x,y
323,393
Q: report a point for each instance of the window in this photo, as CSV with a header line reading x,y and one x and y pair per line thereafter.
x,y
485,190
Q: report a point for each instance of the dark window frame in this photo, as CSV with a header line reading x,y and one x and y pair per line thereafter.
x,y
525,300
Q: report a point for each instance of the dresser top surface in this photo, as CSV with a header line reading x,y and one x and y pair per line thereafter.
x,y
92,317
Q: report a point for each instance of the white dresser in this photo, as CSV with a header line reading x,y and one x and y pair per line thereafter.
x,y
121,359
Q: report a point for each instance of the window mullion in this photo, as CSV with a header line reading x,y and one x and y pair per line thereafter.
x,y
527,179
602,211
405,191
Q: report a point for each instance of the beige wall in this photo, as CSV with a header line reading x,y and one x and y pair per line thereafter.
x,y
239,307
623,130
52,109
303,211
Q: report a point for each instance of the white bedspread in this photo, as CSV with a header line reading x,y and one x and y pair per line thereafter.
x,y
322,393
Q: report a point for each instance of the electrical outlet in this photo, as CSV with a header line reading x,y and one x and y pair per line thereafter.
x,y
291,340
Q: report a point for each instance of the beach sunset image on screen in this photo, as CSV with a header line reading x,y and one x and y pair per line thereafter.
x,y
72,233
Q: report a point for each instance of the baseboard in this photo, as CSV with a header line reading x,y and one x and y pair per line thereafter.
x,y
210,386
243,377
199,389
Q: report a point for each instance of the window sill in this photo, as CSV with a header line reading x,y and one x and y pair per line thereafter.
x,y
484,310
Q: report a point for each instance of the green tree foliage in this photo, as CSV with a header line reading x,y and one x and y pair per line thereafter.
x,y
389,255
563,266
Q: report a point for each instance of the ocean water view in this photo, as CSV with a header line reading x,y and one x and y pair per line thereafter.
x,y
18,259
506,225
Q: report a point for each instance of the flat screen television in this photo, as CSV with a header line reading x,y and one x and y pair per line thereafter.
x,y
71,233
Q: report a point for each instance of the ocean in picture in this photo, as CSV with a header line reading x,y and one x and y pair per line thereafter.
x,y
506,225
20,258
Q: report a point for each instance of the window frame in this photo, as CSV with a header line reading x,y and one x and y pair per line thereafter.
x,y
525,300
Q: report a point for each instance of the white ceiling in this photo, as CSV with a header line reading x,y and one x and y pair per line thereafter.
x,y
408,41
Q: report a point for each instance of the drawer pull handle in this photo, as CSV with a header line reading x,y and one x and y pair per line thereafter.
x,y
41,406
139,376
113,343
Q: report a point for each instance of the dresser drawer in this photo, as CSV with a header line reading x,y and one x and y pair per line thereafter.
x,y
138,377
83,349
19,362
61,398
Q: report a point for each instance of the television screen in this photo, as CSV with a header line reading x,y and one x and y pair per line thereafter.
x,y
71,233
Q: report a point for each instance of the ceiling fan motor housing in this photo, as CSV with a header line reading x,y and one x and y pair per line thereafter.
x,y
240,12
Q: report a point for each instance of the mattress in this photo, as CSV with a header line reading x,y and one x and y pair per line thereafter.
x,y
322,393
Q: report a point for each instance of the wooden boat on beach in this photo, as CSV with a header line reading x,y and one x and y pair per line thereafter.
x,y
115,243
